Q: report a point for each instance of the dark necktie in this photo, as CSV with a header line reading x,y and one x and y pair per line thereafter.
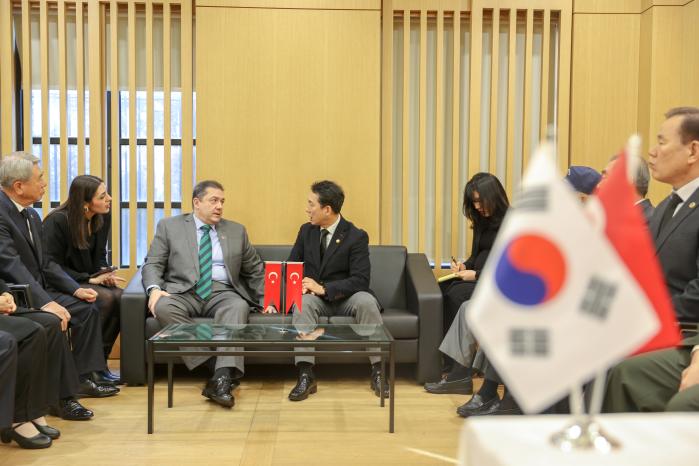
x,y
323,243
205,260
669,212
25,214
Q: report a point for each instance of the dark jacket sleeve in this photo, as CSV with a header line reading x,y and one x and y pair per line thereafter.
x,y
3,286
482,244
58,245
102,240
686,304
359,272
296,254
13,268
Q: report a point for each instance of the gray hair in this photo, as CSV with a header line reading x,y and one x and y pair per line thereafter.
x,y
16,166
641,178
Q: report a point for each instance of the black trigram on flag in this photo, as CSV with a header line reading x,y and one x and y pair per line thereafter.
x,y
598,297
529,342
533,199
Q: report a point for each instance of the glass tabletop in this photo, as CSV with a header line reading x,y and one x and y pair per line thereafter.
x,y
273,332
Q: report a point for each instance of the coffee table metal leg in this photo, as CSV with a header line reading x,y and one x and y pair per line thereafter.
x,y
150,385
391,387
383,379
169,383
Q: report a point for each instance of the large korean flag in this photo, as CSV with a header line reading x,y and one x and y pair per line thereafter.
x,y
555,304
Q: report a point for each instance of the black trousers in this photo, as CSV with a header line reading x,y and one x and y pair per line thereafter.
x,y
8,378
30,374
61,374
109,305
454,293
86,333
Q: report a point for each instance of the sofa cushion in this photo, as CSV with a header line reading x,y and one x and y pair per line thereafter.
x,y
387,270
388,275
401,323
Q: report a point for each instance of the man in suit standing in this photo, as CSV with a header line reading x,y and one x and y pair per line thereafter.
x,y
668,380
336,268
200,264
23,261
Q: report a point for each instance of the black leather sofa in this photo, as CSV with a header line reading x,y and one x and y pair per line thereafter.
x,y
404,284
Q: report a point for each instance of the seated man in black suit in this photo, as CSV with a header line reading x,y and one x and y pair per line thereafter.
x,y
336,272
668,380
22,260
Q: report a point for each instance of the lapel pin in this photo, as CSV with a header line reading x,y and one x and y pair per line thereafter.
x,y
692,205
337,241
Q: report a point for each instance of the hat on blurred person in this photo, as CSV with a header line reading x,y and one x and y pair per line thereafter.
x,y
583,179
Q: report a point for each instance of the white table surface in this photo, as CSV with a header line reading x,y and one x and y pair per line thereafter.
x,y
657,439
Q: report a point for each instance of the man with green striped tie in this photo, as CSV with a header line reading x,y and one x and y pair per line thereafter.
x,y
202,265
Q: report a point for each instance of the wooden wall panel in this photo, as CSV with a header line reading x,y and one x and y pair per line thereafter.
x,y
302,103
604,86
632,61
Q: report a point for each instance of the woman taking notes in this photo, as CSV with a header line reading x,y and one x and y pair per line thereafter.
x,y
485,203
76,236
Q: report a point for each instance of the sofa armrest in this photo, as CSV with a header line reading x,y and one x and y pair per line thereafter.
x,y
424,298
21,295
133,332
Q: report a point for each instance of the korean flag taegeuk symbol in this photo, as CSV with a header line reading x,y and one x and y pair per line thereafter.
x,y
531,270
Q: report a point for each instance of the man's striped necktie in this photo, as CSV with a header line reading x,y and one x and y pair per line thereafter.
x,y
203,288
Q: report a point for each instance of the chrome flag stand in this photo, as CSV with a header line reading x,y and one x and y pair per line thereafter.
x,y
585,433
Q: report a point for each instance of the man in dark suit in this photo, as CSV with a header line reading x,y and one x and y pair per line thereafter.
x,y
201,264
641,180
22,260
669,379
336,268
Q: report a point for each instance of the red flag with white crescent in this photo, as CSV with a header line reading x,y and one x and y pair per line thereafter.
x,y
294,287
627,232
273,280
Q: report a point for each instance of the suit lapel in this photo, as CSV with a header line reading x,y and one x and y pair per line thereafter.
x,y
225,249
335,242
21,223
36,232
191,236
687,209
314,252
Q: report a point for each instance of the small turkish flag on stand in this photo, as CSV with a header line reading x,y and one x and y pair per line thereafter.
x,y
294,288
273,280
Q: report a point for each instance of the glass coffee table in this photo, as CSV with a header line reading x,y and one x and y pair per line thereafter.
x,y
270,340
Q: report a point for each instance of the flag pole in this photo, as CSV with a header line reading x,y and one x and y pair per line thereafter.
x,y
584,433
598,387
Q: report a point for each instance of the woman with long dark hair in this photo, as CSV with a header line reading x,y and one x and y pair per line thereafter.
x,y
75,236
485,204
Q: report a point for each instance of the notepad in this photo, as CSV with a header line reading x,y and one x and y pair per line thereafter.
x,y
444,278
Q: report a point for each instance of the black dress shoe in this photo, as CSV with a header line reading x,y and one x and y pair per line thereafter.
x,y
376,377
71,410
31,443
48,431
219,391
508,406
457,387
476,406
305,385
106,377
90,389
